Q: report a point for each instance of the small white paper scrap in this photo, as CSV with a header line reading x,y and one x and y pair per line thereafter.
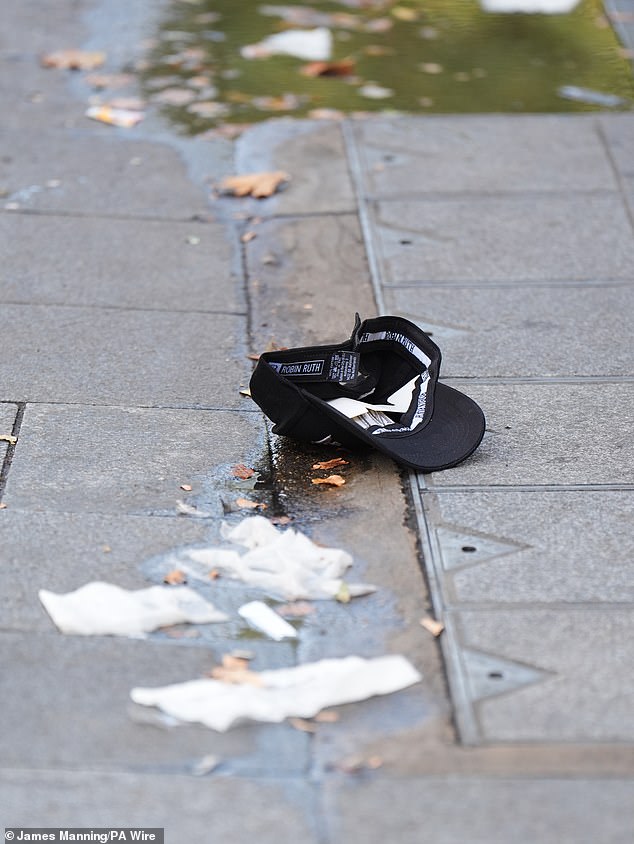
x,y
103,609
299,692
308,44
263,618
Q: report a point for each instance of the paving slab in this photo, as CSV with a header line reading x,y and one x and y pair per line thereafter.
x,y
480,811
542,547
307,277
96,172
508,239
218,808
312,153
524,331
482,153
62,551
109,263
551,433
115,356
582,689
618,130
130,461
68,706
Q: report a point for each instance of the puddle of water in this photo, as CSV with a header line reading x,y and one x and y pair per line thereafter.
x,y
430,55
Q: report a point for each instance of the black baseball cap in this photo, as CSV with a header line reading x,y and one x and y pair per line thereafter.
x,y
379,388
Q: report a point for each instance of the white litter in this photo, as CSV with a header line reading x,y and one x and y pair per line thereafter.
x,y
287,565
308,44
589,95
103,609
263,618
530,7
299,692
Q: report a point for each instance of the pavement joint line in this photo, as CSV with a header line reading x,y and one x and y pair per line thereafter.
x,y
556,606
616,172
539,379
124,308
109,405
581,283
481,196
195,219
528,488
11,447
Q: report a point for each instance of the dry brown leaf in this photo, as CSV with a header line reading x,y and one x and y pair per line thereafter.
x,y
235,663
432,625
330,464
331,480
214,574
186,487
8,438
175,577
327,716
356,764
295,609
243,472
259,185
247,237
247,504
3,506
238,676
341,68
303,725
74,59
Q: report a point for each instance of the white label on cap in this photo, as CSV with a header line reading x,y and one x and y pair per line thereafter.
x,y
397,337
419,414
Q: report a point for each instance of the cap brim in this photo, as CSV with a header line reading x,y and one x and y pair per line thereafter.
x,y
452,434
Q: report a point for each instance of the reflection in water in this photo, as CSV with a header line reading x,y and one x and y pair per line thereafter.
x,y
212,63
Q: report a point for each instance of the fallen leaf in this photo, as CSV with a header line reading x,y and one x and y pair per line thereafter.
x,y
303,725
8,438
378,50
281,520
375,92
106,549
259,185
296,609
247,237
247,504
344,67
405,13
174,96
432,625
235,663
209,109
3,506
326,114
431,67
330,464
214,574
109,80
235,670
226,130
331,480
243,472
356,764
175,577
177,633
327,716
186,487
74,59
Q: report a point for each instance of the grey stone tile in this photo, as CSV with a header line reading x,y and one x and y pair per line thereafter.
x,y
68,706
563,546
524,331
586,692
69,261
100,355
505,239
128,460
549,434
98,172
312,153
308,276
270,811
464,154
480,811
62,551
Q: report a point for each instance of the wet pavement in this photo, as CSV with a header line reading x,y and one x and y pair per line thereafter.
x,y
128,307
